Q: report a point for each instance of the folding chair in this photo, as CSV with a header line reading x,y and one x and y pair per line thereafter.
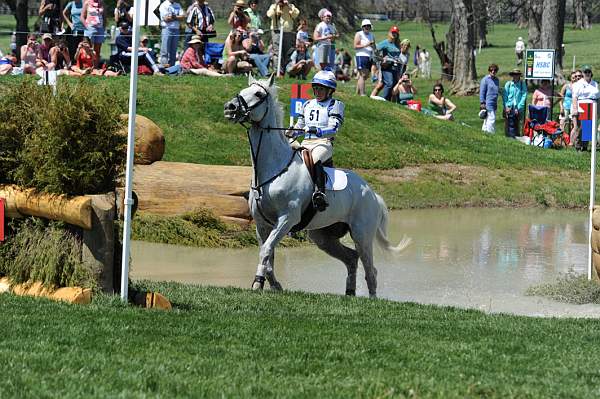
x,y
213,53
543,132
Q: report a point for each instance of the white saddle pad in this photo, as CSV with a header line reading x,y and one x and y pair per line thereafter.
x,y
336,179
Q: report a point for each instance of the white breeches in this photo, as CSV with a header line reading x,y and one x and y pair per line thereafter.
x,y
320,149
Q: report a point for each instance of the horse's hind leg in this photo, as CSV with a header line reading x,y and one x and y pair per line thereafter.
x,y
364,247
332,247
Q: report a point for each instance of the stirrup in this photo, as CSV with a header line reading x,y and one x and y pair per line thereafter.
x,y
319,201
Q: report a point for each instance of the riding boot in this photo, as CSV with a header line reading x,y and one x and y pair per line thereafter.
x,y
319,198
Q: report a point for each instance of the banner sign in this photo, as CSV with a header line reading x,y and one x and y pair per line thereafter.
x,y
587,117
300,95
539,64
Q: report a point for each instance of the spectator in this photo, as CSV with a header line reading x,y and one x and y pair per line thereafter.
x,y
192,60
29,54
6,64
404,90
123,13
584,89
238,17
440,106
302,34
254,15
50,17
404,56
542,96
566,97
200,21
489,89
424,63
171,14
44,62
72,16
364,41
519,50
282,14
324,36
416,58
237,56
390,65
513,99
125,48
93,19
343,65
300,62
256,51
60,58
84,61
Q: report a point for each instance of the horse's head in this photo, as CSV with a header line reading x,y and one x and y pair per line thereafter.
x,y
250,105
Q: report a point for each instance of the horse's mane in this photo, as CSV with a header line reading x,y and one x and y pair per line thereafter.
x,y
274,103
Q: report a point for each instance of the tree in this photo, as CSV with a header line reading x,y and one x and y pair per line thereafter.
x,y
582,19
19,9
422,11
534,12
464,81
553,27
480,13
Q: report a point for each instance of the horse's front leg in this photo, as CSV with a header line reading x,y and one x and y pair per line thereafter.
x,y
262,232
267,252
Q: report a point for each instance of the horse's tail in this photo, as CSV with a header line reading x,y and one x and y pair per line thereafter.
x,y
381,234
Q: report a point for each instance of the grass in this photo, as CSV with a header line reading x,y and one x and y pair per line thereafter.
x,y
226,342
570,288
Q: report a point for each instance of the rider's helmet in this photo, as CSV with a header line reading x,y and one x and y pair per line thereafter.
x,y
325,79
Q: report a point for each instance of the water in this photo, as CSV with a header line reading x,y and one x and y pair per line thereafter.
x,y
471,258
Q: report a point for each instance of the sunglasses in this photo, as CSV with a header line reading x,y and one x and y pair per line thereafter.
x,y
577,76
493,70
434,90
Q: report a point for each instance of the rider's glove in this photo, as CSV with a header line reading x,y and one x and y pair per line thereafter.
x,y
313,130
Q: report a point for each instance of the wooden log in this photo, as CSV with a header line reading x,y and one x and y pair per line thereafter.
x,y
74,210
76,295
596,264
98,243
596,217
171,188
149,140
596,241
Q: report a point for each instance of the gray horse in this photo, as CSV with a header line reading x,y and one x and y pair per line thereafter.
x,y
282,190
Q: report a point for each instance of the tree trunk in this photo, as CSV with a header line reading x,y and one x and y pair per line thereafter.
x,y
422,11
480,12
464,81
551,36
440,49
534,12
582,20
19,10
522,15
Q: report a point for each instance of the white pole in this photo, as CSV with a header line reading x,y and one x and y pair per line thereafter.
x,y
592,185
280,46
479,52
573,70
128,201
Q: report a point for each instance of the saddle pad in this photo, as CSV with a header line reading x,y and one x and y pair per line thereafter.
x,y
337,179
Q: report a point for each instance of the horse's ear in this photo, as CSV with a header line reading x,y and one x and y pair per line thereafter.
x,y
250,78
271,79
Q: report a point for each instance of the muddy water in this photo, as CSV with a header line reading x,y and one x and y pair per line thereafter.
x,y
474,258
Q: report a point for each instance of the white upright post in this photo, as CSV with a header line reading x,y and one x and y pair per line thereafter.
x,y
128,201
592,184
280,46
573,69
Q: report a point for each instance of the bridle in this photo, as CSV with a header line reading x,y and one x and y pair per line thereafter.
x,y
246,109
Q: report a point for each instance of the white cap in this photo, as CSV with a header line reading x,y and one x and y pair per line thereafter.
x,y
365,22
520,38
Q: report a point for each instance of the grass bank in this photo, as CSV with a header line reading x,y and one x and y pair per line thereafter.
x,y
225,342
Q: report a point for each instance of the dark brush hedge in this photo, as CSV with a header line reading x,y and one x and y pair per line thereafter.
x,y
66,143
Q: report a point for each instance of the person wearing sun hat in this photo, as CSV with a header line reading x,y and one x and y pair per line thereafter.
x,y
282,14
238,17
583,89
364,42
519,50
513,99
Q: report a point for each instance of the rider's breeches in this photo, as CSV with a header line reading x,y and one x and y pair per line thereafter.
x,y
320,149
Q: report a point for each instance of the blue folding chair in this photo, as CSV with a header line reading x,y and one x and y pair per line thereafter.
x,y
213,53
538,115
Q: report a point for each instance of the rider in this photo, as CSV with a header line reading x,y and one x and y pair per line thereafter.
x,y
321,118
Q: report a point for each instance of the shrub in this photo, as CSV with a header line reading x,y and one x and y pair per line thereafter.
x,y
46,252
66,143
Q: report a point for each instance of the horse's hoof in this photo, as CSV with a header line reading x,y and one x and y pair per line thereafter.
x,y
276,287
351,292
258,283
373,296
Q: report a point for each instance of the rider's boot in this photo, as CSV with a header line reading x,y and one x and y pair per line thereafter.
x,y
319,198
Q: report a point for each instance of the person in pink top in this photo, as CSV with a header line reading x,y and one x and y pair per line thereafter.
x,y
542,96
93,17
192,60
29,53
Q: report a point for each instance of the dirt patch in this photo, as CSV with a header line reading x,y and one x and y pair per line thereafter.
x,y
464,174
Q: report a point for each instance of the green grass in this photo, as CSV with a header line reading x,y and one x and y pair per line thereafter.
x,y
225,342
